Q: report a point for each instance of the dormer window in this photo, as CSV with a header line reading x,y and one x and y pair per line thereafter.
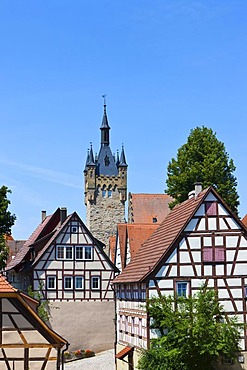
x,y
155,220
107,161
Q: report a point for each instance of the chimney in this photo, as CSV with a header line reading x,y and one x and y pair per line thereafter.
x,y
198,188
43,215
194,193
63,214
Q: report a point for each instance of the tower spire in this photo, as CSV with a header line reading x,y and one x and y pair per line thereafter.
x,y
105,128
122,162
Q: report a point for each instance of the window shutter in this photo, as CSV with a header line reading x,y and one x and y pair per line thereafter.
x,y
219,254
207,254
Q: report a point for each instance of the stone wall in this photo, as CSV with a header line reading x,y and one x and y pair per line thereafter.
x,y
104,215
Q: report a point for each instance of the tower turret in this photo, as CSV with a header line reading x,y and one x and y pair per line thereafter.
x,y
105,187
89,176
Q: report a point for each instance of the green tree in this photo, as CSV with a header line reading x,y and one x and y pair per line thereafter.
x,y
6,222
202,159
44,306
194,333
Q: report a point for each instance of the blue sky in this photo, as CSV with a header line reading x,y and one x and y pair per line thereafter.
x,y
166,66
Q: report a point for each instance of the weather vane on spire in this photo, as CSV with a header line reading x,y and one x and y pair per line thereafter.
x,y
104,97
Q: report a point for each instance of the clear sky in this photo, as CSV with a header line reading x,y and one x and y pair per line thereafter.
x,y
166,66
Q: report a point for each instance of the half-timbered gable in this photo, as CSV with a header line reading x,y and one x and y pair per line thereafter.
x,y
26,341
201,240
68,266
73,265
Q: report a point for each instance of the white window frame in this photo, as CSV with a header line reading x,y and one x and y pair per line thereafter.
x,y
74,229
64,282
65,247
98,284
84,247
126,324
48,278
132,325
82,285
139,327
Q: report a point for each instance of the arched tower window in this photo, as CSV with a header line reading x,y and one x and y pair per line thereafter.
x,y
109,192
104,192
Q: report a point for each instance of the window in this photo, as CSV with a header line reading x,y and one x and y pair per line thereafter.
x,y
79,282
107,161
104,192
228,361
68,282
181,288
51,282
79,253
109,193
210,208
121,322
88,253
83,253
132,325
126,324
95,282
74,229
155,220
64,252
140,327
214,254
245,291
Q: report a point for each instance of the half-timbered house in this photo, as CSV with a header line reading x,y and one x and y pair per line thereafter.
x,y
201,240
68,265
26,341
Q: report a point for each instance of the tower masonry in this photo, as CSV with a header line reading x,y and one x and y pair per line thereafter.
x,y
105,179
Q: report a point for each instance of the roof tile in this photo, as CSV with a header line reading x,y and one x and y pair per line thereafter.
x,y
152,251
145,208
5,286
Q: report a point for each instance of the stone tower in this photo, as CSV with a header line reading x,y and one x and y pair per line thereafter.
x,y
105,188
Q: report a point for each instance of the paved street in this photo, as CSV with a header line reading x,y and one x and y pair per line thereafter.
x,y
102,361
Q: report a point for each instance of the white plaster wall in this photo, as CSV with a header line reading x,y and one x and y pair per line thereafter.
x,y
85,325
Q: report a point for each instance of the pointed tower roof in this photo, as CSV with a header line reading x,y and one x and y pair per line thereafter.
x,y
117,159
106,164
105,120
87,160
91,161
122,162
105,128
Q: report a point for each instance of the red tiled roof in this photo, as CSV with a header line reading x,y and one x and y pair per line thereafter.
x,y
25,248
146,207
124,352
136,234
49,242
112,244
152,251
244,220
5,286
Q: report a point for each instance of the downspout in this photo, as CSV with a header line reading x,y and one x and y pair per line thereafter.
x,y
64,350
